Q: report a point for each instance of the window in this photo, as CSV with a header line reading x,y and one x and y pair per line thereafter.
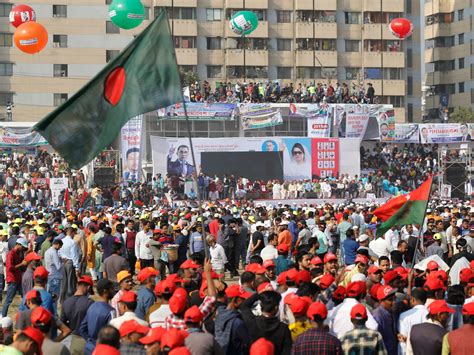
x,y
284,72
60,70
214,43
461,63
184,42
59,99
461,38
261,14
179,13
5,98
188,13
409,57
410,112
214,71
372,73
326,45
6,39
393,73
111,54
283,16
352,18
308,72
213,14
410,85
408,9
252,72
59,10
396,101
111,28
5,10
147,13
461,15
283,44
444,65
352,46
6,69
447,41
60,41
329,73
108,2
461,87
325,16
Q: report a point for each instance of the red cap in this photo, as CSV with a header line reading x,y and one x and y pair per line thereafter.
x,y
40,316
41,272
189,264
468,309
373,269
299,306
165,286
115,216
329,257
361,259
268,263
439,306
174,278
465,275
262,347
432,265
188,216
356,288
281,279
261,270
290,298
215,275
283,248
292,275
440,274
101,349
389,276
146,273
86,279
236,291
434,284
402,272
178,301
32,256
316,260
339,293
193,315
317,309
35,335
264,286
326,280
385,292
173,338
359,312
132,326
374,289
181,350
157,231
153,336
253,267
32,294
128,296
303,276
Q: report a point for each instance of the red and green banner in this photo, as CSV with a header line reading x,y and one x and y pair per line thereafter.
x,y
406,209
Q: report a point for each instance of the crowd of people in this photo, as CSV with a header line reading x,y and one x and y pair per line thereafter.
x,y
312,92
235,278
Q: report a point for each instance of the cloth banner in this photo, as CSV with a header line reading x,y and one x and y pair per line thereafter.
x,y
255,116
57,185
318,116
444,133
130,143
297,158
199,111
325,153
357,118
386,120
406,133
15,136
445,191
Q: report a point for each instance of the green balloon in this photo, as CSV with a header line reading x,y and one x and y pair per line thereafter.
x,y
127,14
244,22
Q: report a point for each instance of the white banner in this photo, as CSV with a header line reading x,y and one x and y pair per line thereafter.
x,y
57,185
406,133
130,141
444,133
357,118
445,191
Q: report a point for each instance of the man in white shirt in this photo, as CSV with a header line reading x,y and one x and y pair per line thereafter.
x,y
270,252
409,230
217,253
157,316
127,305
142,248
392,237
415,315
380,247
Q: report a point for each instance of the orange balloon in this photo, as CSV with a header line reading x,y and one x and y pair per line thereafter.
x,y
30,37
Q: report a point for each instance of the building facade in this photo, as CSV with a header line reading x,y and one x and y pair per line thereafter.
x,y
449,57
297,41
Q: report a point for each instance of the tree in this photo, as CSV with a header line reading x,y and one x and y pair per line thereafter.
x,y
462,115
188,77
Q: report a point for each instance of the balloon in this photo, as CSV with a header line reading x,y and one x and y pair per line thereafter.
x,y
401,28
21,14
244,22
30,37
127,14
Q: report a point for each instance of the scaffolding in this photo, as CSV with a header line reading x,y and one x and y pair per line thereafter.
x,y
452,157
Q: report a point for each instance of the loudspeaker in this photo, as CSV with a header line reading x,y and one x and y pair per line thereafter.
x,y
456,176
104,177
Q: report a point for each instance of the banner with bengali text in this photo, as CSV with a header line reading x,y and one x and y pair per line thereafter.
x,y
444,133
325,157
15,136
406,133
199,111
253,116
357,118
130,143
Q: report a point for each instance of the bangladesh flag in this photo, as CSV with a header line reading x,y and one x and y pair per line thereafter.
x,y
405,209
143,78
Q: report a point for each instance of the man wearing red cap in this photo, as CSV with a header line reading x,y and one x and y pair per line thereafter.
x,y
29,341
32,300
197,341
427,337
44,321
27,278
130,333
127,305
282,262
459,341
160,310
384,317
146,297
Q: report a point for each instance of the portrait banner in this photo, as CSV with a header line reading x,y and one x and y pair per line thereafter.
x,y
386,120
130,142
199,111
357,119
444,133
325,157
255,116
57,185
445,191
297,158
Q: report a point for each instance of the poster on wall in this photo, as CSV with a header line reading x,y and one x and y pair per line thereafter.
x,y
16,136
445,191
357,118
57,185
406,133
199,111
444,133
255,116
130,142
386,120
297,158
325,157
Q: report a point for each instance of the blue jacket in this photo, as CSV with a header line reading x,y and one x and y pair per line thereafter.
x,y
231,332
98,315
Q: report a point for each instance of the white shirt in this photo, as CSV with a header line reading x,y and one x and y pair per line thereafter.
x,y
341,322
142,251
392,237
117,322
408,319
269,253
157,318
380,247
218,257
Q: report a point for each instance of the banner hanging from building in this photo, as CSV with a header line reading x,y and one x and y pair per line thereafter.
x,y
444,133
253,116
130,143
17,137
297,158
386,120
325,157
199,111
57,185
357,118
406,133
318,116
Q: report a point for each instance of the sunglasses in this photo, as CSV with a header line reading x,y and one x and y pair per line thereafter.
x,y
297,152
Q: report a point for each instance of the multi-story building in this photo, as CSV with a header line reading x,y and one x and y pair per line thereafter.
x,y
297,41
449,57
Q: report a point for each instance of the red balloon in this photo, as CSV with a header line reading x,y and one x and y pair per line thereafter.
x,y
30,37
401,28
21,14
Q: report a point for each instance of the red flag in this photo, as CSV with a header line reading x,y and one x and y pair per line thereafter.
x,y
83,198
66,199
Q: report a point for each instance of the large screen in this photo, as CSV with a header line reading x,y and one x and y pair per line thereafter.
x,y
252,165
